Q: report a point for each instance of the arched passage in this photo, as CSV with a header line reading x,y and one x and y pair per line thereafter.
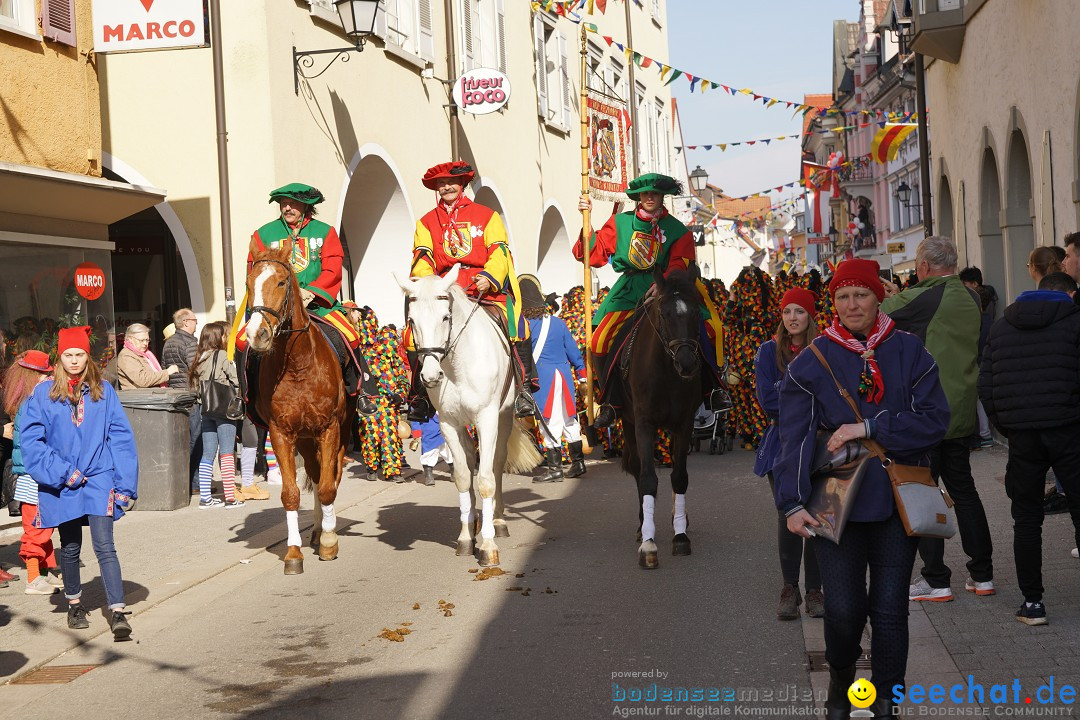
x,y
946,223
993,250
487,195
556,267
377,229
1018,227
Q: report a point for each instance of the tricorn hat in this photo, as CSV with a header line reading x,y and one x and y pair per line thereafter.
x,y
457,170
654,182
532,295
299,192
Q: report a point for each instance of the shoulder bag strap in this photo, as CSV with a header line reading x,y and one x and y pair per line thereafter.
x,y
873,446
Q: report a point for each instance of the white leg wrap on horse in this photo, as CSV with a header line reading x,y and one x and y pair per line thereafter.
x,y
292,521
678,523
487,528
329,520
465,504
648,529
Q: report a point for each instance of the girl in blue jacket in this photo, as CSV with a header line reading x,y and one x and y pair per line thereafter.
x,y
78,445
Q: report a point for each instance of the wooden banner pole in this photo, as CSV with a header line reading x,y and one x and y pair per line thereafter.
x,y
586,226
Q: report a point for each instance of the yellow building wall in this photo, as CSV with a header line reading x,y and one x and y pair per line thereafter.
x,y
49,104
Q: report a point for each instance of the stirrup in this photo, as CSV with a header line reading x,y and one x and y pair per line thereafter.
x,y
605,417
420,410
524,405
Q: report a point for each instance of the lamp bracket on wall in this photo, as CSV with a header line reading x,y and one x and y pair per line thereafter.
x,y
304,59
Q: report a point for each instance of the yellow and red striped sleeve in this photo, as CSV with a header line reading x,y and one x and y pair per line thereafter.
x,y
423,262
497,266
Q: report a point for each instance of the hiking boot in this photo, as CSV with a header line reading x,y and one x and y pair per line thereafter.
x,y
979,588
211,503
524,406
605,417
77,617
577,460
121,628
788,608
254,492
429,475
921,591
1032,614
815,604
40,586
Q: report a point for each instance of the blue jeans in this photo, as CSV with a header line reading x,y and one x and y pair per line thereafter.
x,y
889,553
195,446
101,536
217,436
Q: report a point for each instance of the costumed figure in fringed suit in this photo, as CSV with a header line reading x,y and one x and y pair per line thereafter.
x,y
748,315
461,232
389,369
368,328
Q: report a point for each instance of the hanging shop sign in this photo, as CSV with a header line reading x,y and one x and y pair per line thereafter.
x,y
126,25
89,280
482,91
896,248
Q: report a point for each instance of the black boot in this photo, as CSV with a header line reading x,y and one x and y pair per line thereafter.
x,y
882,707
429,475
554,466
525,374
610,392
837,705
577,460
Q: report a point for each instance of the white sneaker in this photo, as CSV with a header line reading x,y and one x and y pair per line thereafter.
x,y
921,591
1075,552
979,588
273,476
40,586
211,503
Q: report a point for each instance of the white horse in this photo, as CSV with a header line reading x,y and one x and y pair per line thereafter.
x,y
464,361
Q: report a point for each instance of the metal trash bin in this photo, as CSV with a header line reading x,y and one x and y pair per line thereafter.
x,y
159,420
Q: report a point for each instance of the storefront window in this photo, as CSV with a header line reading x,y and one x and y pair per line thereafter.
x,y
46,287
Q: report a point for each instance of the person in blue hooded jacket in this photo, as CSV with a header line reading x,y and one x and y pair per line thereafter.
x,y
797,328
78,445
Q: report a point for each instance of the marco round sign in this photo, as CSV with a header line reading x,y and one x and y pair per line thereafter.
x,y
481,91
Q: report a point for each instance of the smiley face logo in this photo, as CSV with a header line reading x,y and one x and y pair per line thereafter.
x,y
862,693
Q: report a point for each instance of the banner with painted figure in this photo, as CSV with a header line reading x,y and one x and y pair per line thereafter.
x,y
609,139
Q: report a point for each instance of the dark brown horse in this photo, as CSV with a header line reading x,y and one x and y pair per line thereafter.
x,y
300,394
662,386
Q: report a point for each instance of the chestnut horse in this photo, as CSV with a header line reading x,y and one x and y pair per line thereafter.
x,y
663,390
301,395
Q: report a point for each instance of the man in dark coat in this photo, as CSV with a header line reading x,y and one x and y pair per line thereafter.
x,y
1028,382
179,350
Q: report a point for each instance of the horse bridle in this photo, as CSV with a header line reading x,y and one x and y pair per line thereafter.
x,y
671,347
283,313
440,353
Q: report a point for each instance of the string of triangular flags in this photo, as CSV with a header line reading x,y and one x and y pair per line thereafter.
x,y
765,141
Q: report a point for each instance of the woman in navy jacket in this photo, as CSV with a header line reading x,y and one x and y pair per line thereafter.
x,y
78,445
894,381
797,328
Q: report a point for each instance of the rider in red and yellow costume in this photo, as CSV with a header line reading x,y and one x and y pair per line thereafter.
x,y
459,231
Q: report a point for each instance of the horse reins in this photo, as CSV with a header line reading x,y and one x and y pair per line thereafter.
x,y
670,346
283,313
440,353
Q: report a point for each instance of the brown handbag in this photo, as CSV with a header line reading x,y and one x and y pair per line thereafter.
x,y
923,506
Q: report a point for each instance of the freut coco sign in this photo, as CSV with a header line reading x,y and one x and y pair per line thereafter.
x,y
482,91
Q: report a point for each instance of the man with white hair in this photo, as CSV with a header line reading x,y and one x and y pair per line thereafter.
x,y
942,311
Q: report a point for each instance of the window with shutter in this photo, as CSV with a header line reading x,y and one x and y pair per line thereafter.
x,y
468,32
541,66
500,33
58,21
564,81
426,32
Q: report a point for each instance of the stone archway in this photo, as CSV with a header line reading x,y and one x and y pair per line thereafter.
x,y
1018,220
377,228
486,194
555,264
990,239
946,221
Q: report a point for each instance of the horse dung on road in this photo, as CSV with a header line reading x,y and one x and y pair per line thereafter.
x,y
464,361
300,393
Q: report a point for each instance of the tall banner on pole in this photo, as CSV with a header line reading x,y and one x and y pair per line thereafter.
x,y
608,140
821,185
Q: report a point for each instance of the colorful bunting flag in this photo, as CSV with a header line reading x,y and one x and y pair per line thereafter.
x,y
887,141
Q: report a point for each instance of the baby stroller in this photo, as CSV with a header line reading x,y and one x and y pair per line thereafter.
x,y
711,423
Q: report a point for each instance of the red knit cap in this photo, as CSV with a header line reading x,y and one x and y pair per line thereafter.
x,y
457,171
858,272
801,297
73,338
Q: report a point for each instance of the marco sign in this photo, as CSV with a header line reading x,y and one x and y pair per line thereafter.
x,y
482,91
126,25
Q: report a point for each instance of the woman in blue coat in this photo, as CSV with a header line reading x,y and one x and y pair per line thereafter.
x,y
797,329
78,445
557,356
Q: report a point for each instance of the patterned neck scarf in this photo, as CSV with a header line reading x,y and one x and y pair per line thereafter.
x,y
654,221
450,226
871,383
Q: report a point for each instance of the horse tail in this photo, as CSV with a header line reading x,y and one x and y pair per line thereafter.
x,y
521,454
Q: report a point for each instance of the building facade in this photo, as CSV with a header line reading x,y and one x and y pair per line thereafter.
x,y
365,130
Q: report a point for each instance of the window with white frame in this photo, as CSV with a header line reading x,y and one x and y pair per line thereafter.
x,y
663,139
655,8
553,87
482,33
596,75
18,16
407,24
646,135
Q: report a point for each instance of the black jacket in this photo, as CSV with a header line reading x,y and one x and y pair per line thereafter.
x,y
179,350
1030,373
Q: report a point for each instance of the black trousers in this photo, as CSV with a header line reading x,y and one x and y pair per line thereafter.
x,y
950,463
1031,454
889,553
796,553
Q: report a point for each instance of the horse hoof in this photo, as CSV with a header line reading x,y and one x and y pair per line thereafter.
x,y
489,558
294,566
647,555
501,530
465,548
328,552
680,544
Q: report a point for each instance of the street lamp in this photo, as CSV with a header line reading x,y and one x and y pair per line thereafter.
x,y
357,19
903,194
699,179
834,235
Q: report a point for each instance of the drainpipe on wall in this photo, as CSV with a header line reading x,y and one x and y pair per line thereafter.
x,y
451,75
223,161
924,145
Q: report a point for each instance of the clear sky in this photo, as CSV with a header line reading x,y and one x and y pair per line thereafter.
x,y
778,48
